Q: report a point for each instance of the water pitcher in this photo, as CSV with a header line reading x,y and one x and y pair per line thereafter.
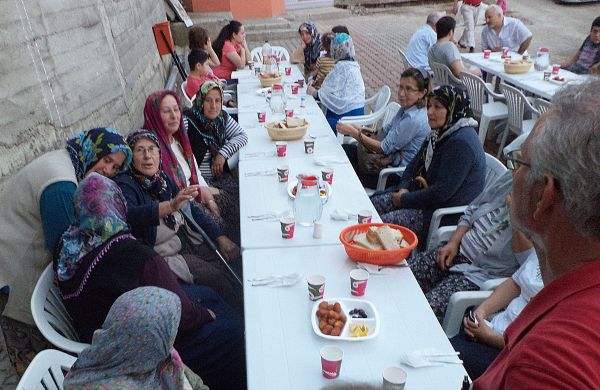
x,y
307,205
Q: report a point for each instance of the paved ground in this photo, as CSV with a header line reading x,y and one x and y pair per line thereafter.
x,y
378,36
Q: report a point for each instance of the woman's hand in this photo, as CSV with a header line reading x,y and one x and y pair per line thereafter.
x,y
446,254
217,165
183,197
209,201
481,332
310,90
396,197
346,129
229,249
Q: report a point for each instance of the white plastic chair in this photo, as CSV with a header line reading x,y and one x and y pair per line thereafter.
x,y
442,75
404,59
542,105
279,51
486,112
46,371
517,105
50,315
377,103
187,102
494,169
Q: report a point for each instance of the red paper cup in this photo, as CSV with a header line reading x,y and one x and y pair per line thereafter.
x,y
331,361
262,116
283,173
287,227
327,175
358,282
309,145
300,82
555,68
288,70
289,112
487,53
294,90
316,287
281,148
364,216
505,52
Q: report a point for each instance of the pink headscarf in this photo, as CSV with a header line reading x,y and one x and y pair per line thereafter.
x,y
169,164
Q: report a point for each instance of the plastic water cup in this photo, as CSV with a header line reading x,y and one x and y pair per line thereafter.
x,y
287,227
331,361
283,173
316,287
281,147
394,378
365,216
358,282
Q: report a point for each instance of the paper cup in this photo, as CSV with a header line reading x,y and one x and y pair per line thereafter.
x,y
288,70
262,116
250,65
281,147
394,378
547,76
358,282
505,52
300,82
555,68
365,216
256,70
316,287
289,112
309,145
295,90
283,173
331,361
487,53
327,175
287,227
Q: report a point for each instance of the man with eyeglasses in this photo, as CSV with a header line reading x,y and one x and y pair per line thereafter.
x,y
555,201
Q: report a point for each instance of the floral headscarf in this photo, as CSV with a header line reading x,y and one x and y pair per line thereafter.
x,y
342,47
89,147
313,49
212,131
100,213
169,162
156,184
134,347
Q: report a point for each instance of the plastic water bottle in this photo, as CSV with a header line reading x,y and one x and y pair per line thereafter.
x,y
542,59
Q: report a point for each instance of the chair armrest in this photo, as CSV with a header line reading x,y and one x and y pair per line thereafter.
x,y
232,162
442,234
458,303
383,175
437,216
490,92
492,283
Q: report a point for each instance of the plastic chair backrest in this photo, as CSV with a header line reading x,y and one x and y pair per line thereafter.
x,y
542,105
516,102
186,100
279,51
50,315
442,75
379,100
493,168
476,89
404,59
390,111
46,371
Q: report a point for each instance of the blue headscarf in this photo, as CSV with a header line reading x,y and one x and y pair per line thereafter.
x,y
342,47
89,147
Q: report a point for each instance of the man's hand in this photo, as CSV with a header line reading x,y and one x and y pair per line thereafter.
x,y
217,165
228,248
396,197
446,254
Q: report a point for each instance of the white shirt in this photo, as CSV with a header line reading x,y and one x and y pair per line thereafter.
x,y
418,46
512,35
529,279
176,147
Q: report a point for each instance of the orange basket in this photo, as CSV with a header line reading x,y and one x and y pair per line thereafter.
x,y
374,256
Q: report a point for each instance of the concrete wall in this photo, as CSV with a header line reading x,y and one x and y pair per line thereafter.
x,y
70,65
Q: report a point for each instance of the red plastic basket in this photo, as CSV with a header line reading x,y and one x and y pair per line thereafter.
x,y
374,256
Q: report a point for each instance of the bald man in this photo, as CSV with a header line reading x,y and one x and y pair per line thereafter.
x,y
503,31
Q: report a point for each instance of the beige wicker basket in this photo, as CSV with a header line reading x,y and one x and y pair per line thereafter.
x,y
515,67
289,134
269,81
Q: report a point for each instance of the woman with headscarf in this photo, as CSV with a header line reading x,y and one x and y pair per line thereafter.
x,y
37,207
310,43
153,213
215,137
448,170
119,359
98,259
343,90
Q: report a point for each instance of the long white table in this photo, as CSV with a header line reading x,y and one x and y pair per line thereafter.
x,y
532,81
283,351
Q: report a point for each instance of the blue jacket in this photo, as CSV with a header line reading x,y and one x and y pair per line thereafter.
x,y
142,210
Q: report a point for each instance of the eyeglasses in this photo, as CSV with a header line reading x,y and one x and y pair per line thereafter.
x,y
513,161
150,150
407,90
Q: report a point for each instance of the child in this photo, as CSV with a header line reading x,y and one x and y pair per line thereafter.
x,y
199,71
324,63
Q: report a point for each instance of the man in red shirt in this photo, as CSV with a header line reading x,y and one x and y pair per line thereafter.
x,y
555,201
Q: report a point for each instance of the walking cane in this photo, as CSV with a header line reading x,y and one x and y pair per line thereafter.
x,y
187,212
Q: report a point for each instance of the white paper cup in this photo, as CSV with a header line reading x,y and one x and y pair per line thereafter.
x,y
394,378
309,145
365,216
316,287
283,172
